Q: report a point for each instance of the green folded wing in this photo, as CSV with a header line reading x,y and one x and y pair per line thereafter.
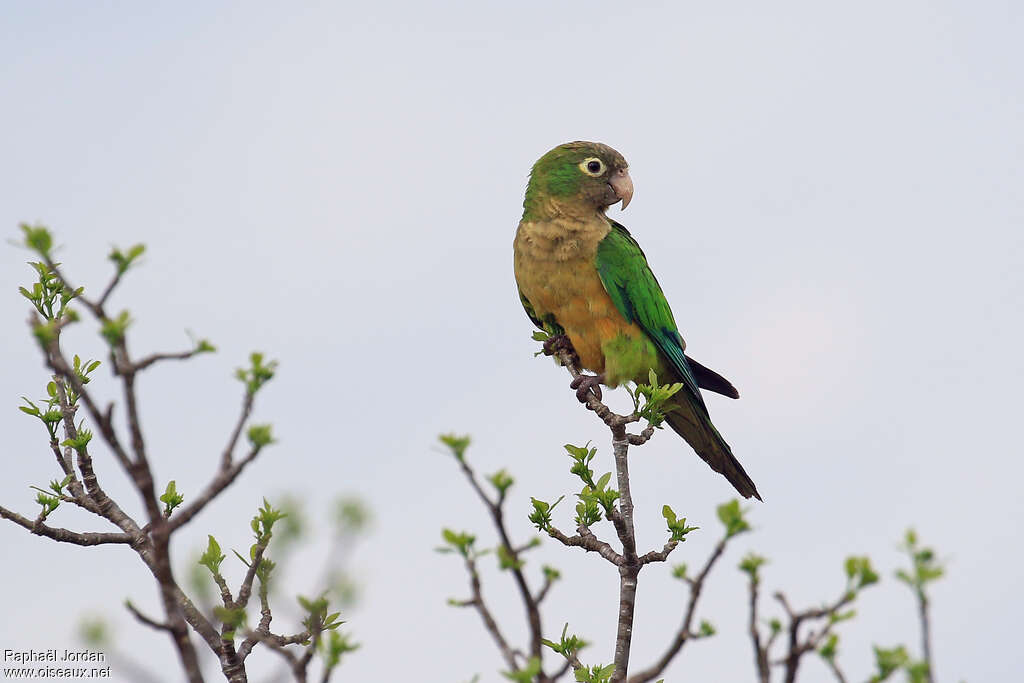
x,y
630,283
528,307
546,322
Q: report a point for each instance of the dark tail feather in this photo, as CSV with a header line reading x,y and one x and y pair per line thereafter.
x,y
711,447
711,380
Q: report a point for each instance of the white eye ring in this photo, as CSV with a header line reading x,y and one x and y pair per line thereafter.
x,y
592,166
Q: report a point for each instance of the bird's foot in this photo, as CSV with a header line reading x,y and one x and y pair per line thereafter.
x,y
585,384
556,343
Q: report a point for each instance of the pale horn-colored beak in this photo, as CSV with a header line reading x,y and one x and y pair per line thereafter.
x,y
623,186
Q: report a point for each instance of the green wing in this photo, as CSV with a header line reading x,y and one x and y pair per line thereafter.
x,y
546,323
528,307
630,283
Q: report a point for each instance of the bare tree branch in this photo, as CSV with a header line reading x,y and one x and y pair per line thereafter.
x,y
659,555
760,651
477,601
498,518
81,486
152,358
834,668
926,637
148,621
588,541
684,633
85,538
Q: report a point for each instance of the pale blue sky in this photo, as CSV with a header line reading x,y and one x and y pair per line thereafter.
x,y
829,193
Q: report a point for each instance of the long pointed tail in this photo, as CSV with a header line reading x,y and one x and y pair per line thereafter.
x,y
693,425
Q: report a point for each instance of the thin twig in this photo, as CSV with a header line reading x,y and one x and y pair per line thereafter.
x,y
477,601
659,555
629,564
630,567
156,552
148,621
84,538
588,541
926,638
760,651
834,668
525,594
144,363
797,648
684,633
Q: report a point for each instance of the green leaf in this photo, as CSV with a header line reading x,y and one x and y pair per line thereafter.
x,y
581,457
257,374
859,572
317,618
677,528
171,498
588,510
507,560
668,514
751,564
45,334
925,567
541,515
95,632
655,398
461,542
918,671
732,516
888,661
31,409
123,260
58,486
37,238
114,329
829,649
502,481
550,573
568,646
80,441
265,569
351,515
842,616
594,674
334,646
232,617
457,445
47,502
263,523
260,435
526,674
204,346
212,558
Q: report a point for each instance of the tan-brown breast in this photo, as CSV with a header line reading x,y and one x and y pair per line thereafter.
x,y
555,269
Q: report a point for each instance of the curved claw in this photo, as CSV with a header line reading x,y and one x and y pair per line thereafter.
x,y
585,384
556,342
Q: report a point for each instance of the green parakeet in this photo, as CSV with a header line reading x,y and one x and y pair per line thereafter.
x,y
583,274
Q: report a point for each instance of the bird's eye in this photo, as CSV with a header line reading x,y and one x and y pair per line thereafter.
x,y
592,166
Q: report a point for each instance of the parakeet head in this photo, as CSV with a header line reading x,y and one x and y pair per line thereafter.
x,y
578,177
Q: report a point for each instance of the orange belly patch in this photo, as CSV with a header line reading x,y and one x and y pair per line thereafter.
x,y
605,341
